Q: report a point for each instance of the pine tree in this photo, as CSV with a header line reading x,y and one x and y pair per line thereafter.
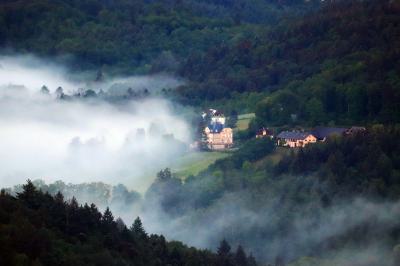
x,y
44,90
108,218
59,197
137,229
224,255
164,175
73,204
59,92
29,195
279,261
120,224
251,261
99,76
240,256
224,248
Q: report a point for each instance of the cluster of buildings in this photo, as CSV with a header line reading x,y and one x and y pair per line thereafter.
x,y
216,135
295,139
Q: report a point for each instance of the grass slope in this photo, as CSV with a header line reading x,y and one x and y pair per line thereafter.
x,y
244,121
195,162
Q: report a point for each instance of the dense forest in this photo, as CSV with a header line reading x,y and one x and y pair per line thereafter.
x,y
308,207
117,197
309,62
294,63
146,36
284,203
39,229
338,65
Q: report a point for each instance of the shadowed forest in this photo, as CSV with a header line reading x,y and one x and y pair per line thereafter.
x,y
99,101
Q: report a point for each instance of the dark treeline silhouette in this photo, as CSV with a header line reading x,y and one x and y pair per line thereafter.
x,y
39,229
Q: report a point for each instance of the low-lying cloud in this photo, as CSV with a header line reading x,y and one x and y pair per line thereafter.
x,y
267,234
82,141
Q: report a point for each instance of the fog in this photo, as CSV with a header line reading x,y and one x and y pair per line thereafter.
x,y
89,141
307,234
82,141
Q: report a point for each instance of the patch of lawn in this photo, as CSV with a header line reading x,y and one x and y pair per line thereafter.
x,y
244,121
194,163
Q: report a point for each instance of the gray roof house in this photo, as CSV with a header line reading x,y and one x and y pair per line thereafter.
x,y
296,135
321,133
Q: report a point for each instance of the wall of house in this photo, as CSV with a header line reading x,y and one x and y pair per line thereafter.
x,y
292,143
309,139
218,119
221,140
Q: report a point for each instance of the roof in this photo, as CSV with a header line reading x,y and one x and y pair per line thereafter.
x,y
216,127
324,132
214,112
293,135
267,131
356,129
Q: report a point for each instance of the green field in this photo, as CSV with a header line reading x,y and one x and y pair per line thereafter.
x,y
244,120
195,162
274,157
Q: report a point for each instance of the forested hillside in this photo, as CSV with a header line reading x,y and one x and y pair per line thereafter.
x,y
39,229
131,36
339,64
293,63
323,201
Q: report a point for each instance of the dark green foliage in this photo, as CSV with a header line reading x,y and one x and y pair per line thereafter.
x,y
364,163
225,257
323,67
150,36
318,68
38,229
356,175
175,197
240,256
138,230
251,150
224,249
166,190
232,119
97,192
107,219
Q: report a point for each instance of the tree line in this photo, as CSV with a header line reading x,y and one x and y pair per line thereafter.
x,y
282,186
40,229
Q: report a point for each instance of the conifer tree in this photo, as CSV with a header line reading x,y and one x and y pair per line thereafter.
x,y
29,194
44,90
224,248
137,229
120,224
107,218
240,256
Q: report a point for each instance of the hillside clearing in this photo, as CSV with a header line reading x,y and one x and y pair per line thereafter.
x,y
244,121
195,162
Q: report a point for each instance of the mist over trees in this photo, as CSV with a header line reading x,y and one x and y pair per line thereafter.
x,y
329,201
310,57
296,64
39,229
118,197
326,67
